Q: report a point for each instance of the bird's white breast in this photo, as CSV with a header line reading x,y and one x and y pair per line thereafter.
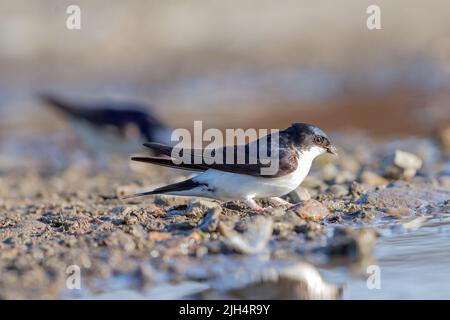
x,y
228,185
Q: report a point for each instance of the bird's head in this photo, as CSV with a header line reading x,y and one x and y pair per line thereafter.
x,y
309,138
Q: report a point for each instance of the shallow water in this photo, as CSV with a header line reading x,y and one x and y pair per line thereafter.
x,y
414,264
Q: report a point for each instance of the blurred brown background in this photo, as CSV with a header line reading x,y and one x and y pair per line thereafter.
x,y
247,63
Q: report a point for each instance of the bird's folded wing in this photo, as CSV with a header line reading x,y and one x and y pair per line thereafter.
x,y
241,160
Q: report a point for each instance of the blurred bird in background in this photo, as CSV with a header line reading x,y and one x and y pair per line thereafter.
x,y
110,126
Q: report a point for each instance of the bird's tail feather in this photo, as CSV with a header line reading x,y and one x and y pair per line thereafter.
x,y
140,194
175,187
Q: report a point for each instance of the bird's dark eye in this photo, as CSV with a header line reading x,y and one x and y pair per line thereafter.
x,y
319,139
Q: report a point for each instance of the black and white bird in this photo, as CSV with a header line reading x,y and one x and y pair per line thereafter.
x,y
110,125
297,147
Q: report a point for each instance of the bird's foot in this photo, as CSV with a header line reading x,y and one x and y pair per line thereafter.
x,y
263,210
257,208
253,205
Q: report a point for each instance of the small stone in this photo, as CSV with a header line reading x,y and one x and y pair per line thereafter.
x,y
199,208
9,240
335,218
314,183
311,229
329,171
277,212
301,228
352,243
338,190
201,251
165,200
300,194
415,223
401,194
282,229
181,226
70,241
293,219
344,177
357,189
371,178
310,210
398,213
254,240
195,236
154,253
314,193
135,230
133,215
131,219
211,219
401,165
202,204
155,235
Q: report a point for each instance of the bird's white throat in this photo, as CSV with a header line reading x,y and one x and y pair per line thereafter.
x,y
310,154
305,159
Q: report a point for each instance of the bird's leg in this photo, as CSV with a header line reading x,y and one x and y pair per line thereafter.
x,y
280,202
253,205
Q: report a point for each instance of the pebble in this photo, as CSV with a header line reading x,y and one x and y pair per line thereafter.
x,y
299,194
310,210
311,229
344,177
165,200
357,189
338,190
401,165
352,243
401,194
311,182
211,219
329,171
398,213
373,179
415,223
256,238
201,251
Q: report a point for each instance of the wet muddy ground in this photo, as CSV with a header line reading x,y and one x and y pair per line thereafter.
x,y
377,204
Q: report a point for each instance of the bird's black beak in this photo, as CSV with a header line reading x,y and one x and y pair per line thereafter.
x,y
332,149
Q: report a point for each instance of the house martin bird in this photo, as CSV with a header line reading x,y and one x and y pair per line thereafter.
x,y
297,147
114,126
